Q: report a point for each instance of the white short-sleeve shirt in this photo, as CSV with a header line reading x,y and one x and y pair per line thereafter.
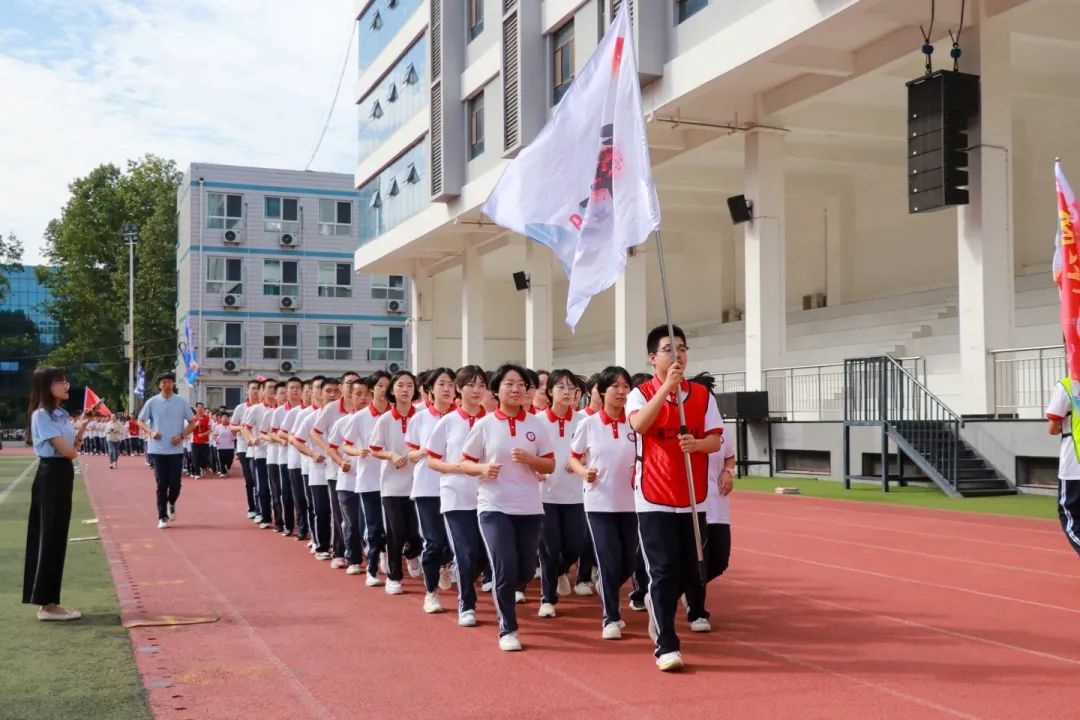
x,y
610,446
717,506
292,455
369,469
492,440
276,453
316,472
561,487
425,480
457,491
1060,408
237,420
327,417
389,435
336,439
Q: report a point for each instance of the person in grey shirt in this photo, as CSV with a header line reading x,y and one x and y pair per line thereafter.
x,y
167,419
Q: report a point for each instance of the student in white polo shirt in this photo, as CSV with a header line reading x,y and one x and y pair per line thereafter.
x,y
457,491
396,479
309,443
320,431
368,471
293,389
291,471
562,536
242,445
662,496
425,490
254,421
604,455
507,450
352,523
305,420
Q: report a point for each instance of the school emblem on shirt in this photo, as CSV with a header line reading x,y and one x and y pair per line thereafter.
x,y
530,436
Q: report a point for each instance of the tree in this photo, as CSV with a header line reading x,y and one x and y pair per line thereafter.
x,y
90,285
20,349
11,250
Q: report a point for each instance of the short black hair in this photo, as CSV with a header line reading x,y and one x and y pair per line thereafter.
x,y
279,385
658,333
554,377
294,379
640,379
376,377
361,381
502,371
393,380
468,374
167,375
269,381
347,373
432,376
330,381
531,378
318,378
199,404
608,377
253,381
591,382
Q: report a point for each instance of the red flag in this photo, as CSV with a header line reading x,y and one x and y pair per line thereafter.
x,y
92,402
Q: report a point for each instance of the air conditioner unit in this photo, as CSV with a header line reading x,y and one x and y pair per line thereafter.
x,y
394,306
231,366
286,366
231,236
289,302
289,240
233,300
393,367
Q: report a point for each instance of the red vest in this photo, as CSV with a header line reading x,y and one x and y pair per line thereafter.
x,y
201,434
663,472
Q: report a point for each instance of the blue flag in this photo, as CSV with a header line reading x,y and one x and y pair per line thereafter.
x,y
140,381
187,351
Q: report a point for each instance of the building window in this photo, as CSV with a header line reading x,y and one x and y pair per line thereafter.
x,y
388,287
224,212
476,125
227,397
224,340
223,275
280,277
281,214
281,341
685,8
335,217
562,61
335,342
475,18
335,279
387,345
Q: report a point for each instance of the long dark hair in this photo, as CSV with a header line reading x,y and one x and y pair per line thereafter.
x,y
41,393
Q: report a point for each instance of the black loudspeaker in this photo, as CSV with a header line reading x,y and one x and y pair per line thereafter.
x,y
740,208
744,405
521,281
941,106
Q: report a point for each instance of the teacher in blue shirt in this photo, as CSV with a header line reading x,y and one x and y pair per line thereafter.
x,y
55,439
163,417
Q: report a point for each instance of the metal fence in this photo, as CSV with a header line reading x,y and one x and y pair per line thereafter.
x,y
1024,379
727,382
810,393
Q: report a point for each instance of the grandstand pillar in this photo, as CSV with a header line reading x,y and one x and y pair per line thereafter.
x,y
422,342
766,318
472,307
630,318
984,230
539,349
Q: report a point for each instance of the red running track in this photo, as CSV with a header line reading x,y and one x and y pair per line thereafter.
x,y
831,610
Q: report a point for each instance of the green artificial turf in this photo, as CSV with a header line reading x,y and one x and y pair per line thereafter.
x,y
82,669
1036,506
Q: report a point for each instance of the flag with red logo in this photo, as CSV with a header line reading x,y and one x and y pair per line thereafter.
x,y
92,402
1067,274
584,186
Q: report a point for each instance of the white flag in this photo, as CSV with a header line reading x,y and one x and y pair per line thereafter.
x,y
584,186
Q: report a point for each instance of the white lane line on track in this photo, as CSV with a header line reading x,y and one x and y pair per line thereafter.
x,y
15,483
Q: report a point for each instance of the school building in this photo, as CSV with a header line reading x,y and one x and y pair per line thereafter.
x,y
801,106
265,275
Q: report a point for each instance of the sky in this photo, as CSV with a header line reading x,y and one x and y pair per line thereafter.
x,y
224,81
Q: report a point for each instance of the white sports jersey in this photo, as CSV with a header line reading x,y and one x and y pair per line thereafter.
x,y
369,469
425,480
389,435
292,455
237,420
327,417
252,421
276,451
561,487
457,491
316,472
517,489
610,446
336,439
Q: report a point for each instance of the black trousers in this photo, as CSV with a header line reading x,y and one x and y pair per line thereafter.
x,y
167,469
1069,511
320,507
512,542
249,479
615,538
288,506
260,470
641,579
47,530
200,453
374,530
337,538
463,533
716,552
402,533
300,500
562,540
587,561
225,458
352,526
273,471
436,547
667,541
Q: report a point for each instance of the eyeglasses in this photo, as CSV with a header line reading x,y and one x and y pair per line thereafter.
x,y
666,350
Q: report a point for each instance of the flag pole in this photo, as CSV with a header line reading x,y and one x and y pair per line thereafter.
x,y
682,411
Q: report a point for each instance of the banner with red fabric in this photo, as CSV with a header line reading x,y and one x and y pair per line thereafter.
x,y
1067,274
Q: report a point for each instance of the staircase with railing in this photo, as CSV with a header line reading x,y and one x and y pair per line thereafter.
x,y
880,392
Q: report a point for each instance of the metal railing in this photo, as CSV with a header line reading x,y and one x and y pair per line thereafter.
x,y
727,382
1025,377
811,393
880,390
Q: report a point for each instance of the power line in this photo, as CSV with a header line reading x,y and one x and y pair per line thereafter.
x,y
333,103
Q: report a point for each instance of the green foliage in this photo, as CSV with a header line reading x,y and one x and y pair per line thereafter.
x,y
90,287
10,260
18,339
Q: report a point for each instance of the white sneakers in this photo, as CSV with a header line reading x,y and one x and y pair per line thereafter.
x,y
264,526
612,631
563,588
172,510
637,606
701,625
547,610
414,567
393,587
509,642
582,588
58,614
354,570
251,515
670,662
373,580
446,579
161,524
338,563
322,556
432,604
486,587
519,598
467,618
